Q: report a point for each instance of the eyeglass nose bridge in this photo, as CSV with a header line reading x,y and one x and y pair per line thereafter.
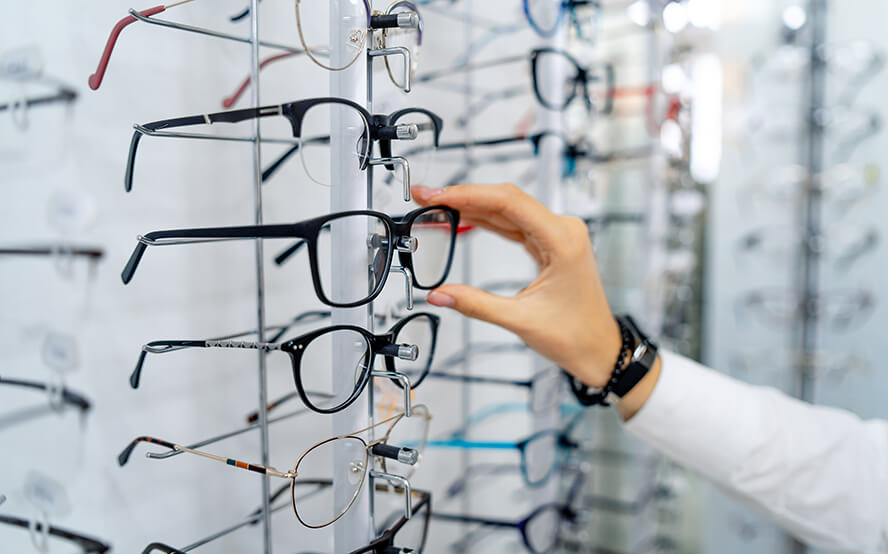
x,y
397,481
401,162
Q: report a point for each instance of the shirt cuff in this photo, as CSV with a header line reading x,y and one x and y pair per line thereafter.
x,y
687,414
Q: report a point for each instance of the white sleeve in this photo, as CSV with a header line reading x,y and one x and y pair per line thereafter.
x,y
821,473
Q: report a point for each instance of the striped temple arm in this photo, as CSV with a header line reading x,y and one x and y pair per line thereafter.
x,y
124,456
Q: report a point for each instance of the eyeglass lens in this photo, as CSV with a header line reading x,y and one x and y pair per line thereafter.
x,y
331,502
317,125
539,457
317,376
433,232
313,17
346,232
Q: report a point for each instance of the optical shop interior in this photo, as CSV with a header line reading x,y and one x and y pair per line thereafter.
x,y
443,276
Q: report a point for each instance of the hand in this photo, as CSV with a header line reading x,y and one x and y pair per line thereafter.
x,y
563,314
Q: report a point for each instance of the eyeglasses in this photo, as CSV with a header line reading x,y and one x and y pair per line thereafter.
x,y
840,308
819,364
424,239
846,128
401,36
546,21
146,16
540,452
310,121
596,84
87,545
843,186
844,244
540,529
59,395
855,63
408,348
316,462
542,387
416,134
404,534
63,255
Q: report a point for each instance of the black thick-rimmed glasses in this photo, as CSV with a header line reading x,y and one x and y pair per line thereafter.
x,y
577,79
424,240
88,545
405,534
310,121
408,348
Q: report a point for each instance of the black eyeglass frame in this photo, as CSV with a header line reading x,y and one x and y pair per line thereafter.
x,y
381,127
384,344
386,540
398,231
581,78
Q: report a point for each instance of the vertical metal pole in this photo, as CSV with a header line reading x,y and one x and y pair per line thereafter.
x,y
810,208
260,270
549,191
812,198
466,249
349,272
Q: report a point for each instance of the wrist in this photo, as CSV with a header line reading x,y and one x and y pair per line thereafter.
x,y
636,398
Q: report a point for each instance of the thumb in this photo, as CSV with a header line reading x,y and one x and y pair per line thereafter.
x,y
476,303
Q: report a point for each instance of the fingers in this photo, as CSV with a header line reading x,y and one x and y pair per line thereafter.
x,y
477,304
498,207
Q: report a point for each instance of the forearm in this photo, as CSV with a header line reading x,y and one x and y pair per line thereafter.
x,y
821,473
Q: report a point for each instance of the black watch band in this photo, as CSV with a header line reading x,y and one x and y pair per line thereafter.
x,y
623,379
643,357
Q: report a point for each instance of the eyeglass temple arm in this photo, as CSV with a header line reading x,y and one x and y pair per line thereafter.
x,y
64,95
234,116
68,396
87,544
229,101
56,250
161,547
123,458
95,80
478,379
471,519
209,234
165,346
465,67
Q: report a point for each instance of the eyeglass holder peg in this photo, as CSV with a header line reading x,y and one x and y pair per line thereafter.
x,y
403,381
390,164
408,283
397,51
397,481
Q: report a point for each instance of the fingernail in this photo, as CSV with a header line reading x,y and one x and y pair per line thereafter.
x,y
436,298
425,192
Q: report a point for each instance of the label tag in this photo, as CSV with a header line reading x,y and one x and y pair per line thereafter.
x,y
47,495
60,352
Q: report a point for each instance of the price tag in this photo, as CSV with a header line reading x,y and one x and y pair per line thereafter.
x,y
60,352
71,211
21,64
47,495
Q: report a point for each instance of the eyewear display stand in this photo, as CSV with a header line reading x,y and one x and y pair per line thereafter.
x,y
349,191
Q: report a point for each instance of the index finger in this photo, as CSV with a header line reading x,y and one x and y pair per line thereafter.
x,y
494,207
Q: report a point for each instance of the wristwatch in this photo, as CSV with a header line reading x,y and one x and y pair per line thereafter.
x,y
623,379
